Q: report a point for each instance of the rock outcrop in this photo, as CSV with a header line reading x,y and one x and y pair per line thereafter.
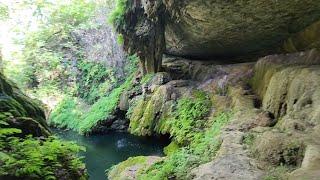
x,y
198,28
206,29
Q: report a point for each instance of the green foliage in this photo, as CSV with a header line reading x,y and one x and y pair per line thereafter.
x,y
92,80
202,149
132,64
103,107
146,78
50,52
74,114
171,148
120,39
189,118
117,15
71,113
66,114
32,158
4,11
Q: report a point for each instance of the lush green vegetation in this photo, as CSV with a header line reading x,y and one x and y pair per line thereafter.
x,y
49,50
117,14
72,113
32,158
66,114
189,118
94,81
202,148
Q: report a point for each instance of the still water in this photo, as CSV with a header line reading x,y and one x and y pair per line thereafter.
x,y
103,151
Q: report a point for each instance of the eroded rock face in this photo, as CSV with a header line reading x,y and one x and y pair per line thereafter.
x,y
289,88
225,28
203,29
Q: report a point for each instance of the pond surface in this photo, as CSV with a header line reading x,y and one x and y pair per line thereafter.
x,y
103,151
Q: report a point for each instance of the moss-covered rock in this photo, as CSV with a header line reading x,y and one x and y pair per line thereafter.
x,y
21,111
129,169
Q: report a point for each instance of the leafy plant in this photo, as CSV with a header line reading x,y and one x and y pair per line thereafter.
x,y
201,149
189,118
31,158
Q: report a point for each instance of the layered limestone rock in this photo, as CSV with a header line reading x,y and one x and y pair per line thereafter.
x,y
20,111
232,160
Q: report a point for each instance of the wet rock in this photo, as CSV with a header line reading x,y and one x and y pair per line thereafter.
x,y
279,148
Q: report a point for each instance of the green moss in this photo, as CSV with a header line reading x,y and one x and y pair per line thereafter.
x,y
115,171
21,108
248,139
171,148
143,119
